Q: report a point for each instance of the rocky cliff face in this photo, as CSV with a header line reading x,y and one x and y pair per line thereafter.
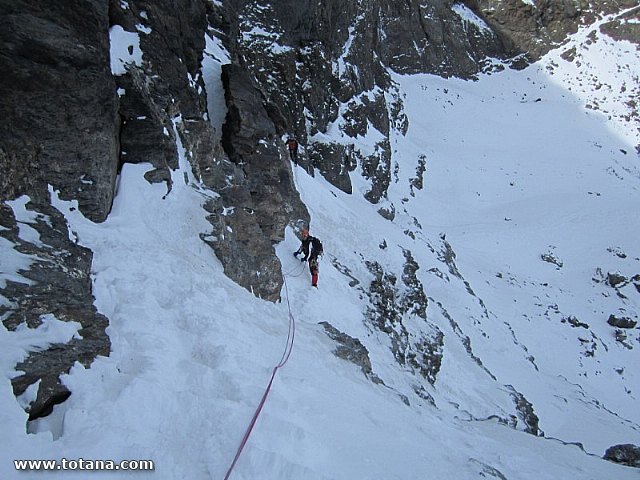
x,y
531,29
72,118
75,109
56,80
60,128
324,66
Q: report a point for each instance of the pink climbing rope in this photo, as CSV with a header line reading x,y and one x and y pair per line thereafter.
x,y
285,357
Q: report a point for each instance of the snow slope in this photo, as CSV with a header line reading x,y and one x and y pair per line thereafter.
x,y
508,179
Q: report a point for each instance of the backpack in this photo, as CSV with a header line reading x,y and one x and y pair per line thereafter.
x,y
317,246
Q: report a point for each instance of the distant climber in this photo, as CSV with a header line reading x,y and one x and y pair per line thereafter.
x,y
292,144
311,256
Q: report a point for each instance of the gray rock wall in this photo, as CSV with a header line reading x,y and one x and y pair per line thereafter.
x,y
59,109
533,30
325,64
70,123
61,128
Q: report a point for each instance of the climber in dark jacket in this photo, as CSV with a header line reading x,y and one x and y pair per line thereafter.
x,y
309,242
292,144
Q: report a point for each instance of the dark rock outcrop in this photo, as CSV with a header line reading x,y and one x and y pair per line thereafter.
x,y
66,118
251,214
60,128
615,279
392,305
622,337
70,123
438,37
166,91
531,30
351,350
323,67
58,284
621,322
622,29
526,412
574,322
552,258
256,196
626,454
59,105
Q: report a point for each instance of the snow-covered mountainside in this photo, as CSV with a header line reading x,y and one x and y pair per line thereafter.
x,y
479,291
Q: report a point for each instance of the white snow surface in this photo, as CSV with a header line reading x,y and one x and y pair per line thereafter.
x,y
508,179
124,48
25,218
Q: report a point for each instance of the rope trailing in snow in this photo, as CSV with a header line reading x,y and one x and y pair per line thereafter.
x,y
294,272
283,360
